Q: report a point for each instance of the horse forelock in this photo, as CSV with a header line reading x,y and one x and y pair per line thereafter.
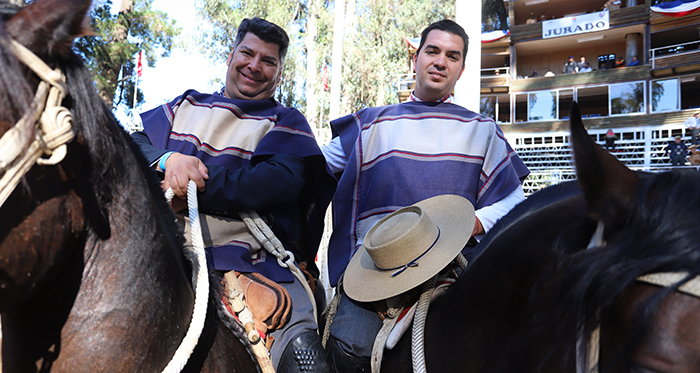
x,y
660,234
15,91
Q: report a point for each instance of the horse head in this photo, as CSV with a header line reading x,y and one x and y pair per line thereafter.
x,y
646,222
44,214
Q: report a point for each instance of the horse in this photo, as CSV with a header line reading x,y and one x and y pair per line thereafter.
x,y
541,295
92,273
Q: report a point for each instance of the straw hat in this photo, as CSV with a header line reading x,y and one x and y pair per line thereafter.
x,y
408,247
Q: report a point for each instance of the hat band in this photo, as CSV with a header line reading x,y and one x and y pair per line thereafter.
x,y
412,263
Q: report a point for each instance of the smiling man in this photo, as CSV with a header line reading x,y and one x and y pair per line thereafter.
x,y
394,156
247,152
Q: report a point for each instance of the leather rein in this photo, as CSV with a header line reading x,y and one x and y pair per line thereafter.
x,y
587,357
42,131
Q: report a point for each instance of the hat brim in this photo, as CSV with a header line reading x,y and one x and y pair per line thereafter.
x,y
364,282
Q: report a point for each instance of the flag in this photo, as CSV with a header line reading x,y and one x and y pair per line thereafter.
x,y
677,8
139,67
324,77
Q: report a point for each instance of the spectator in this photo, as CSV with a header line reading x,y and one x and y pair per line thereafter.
x,y
534,74
585,68
694,155
580,63
620,63
692,124
532,19
570,67
543,18
612,4
610,138
635,61
676,151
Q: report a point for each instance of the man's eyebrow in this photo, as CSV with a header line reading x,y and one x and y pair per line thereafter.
x,y
267,56
432,46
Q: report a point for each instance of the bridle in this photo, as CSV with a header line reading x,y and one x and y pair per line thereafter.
x,y
587,356
42,131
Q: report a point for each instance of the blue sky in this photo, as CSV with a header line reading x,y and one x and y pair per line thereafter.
x,y
184,69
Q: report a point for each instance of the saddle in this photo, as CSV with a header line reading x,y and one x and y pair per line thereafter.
x,y
269,302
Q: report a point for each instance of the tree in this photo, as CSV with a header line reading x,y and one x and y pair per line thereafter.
x,y
494,15
375,51
119,37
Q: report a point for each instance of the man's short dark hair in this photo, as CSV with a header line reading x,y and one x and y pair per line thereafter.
x,y
448,26
266,31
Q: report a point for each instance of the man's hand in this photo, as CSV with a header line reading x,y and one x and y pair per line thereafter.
x,y
180,169
478,228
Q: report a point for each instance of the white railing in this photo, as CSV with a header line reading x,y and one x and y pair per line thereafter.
x,y
672,50
495,72
549,158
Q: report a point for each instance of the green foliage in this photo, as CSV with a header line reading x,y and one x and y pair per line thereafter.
x,y
494,15
117,40
375,50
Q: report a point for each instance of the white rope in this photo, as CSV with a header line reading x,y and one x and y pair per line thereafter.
x,y
417,343
200,281
272,244
43,130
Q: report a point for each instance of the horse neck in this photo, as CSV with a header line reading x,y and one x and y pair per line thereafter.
x,y
125,291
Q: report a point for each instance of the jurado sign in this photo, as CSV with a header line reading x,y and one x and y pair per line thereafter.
x,y
576,25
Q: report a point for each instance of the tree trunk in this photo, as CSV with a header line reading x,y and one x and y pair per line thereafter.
x,y
109,69
311,69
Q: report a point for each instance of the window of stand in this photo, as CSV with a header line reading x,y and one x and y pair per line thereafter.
x,y
627,98
599,101
496,107
543,105
690,86
664,95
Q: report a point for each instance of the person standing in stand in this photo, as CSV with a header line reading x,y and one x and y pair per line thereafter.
x,y
676,151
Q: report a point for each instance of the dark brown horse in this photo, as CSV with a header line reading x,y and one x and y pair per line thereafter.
x,y
535,290
92,275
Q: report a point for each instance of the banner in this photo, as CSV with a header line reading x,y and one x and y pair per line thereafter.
x,y
576,25
677,8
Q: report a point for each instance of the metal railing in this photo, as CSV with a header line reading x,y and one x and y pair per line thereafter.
x,y
549,157
672,50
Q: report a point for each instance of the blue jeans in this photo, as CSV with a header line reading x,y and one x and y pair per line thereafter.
x,y
355,327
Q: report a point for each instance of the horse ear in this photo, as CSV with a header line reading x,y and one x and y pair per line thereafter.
x,y
48,27
607,184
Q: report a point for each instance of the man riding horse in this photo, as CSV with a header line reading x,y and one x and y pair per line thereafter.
x,y
395,156
247,152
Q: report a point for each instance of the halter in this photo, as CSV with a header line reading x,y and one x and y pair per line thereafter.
x,y
43,130
587,360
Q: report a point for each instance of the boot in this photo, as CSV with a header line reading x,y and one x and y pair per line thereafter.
x,y
303,354
341,362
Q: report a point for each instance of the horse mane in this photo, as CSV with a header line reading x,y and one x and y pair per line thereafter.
x,y
659,235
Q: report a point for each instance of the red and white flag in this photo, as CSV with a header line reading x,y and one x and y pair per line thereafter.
x,y
139,66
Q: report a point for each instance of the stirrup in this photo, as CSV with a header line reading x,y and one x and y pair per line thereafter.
x,y
341,362
304,354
